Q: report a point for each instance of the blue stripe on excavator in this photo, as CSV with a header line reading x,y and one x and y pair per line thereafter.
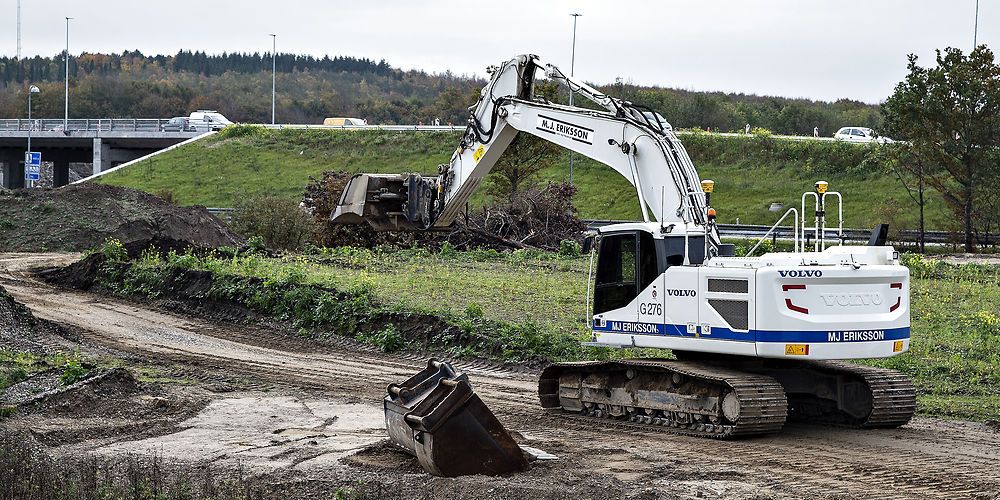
x,y
722,333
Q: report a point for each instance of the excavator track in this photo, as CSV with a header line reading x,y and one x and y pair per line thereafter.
x,y
893,397
830,392
678,397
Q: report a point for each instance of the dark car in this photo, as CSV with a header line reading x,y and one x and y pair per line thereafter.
x,y
177,124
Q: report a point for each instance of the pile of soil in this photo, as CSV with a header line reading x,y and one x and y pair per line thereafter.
x,y
82,216
19,329
82,273
103,389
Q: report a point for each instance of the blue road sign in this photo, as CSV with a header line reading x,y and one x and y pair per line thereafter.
x,y
32,166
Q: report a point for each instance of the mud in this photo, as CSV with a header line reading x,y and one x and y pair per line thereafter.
x,y
302,384
82,216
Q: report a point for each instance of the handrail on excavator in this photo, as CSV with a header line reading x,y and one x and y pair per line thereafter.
x,y
769,231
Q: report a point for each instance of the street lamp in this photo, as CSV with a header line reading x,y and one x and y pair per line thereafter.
x,y
66,115
31,90
274,67
975,30
572,66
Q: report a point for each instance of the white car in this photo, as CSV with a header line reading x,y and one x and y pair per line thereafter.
x,y
205,120
860,134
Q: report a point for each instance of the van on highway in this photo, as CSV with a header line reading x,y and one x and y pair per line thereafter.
x,y
345,122
205,120
860,134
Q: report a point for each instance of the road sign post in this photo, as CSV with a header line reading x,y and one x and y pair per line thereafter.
x,y
32,167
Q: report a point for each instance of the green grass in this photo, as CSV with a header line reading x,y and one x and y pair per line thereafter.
x,y
531,304
222,169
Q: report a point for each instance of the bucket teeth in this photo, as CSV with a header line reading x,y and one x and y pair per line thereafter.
x,y
437,417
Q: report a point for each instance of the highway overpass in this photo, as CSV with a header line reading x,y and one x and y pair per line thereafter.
x,y
92,145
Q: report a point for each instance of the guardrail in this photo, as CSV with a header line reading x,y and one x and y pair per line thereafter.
x,y
155,125
751,231
84,125
395,128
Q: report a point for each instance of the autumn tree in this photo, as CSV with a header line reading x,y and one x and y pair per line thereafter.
x,y
950,116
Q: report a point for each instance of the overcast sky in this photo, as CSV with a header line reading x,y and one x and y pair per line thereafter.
x,y
796,48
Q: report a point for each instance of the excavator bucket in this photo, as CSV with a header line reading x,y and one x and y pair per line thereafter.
x,y
437,417
388,202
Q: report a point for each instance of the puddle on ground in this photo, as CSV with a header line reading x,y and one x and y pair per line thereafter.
x,y
267,432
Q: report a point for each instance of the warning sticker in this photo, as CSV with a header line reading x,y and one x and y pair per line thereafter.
x,y
478,155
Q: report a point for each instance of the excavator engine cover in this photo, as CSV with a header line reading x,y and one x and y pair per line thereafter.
x,y
437,417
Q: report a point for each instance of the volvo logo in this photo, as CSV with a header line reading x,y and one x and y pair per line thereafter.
x,y
852,299
801,274
680,293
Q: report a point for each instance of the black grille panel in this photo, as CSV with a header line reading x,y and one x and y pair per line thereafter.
x,y
727,285
735,312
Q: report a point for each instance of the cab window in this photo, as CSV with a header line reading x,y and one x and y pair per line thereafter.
x,y
626,264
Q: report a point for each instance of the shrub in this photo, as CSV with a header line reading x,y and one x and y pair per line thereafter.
x,y
278,221
114,251
388,339
569,248
73,371
234,131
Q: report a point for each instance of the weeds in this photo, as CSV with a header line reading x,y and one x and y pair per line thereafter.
x,y
388,339
27,473
73,371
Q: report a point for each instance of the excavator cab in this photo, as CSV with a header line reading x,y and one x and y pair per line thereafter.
x,y
628,261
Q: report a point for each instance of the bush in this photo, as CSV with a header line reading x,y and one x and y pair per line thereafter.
x,y
278,221
73,371
388,339
114,251
569,248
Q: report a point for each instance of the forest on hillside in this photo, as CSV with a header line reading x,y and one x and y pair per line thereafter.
x,y
133,85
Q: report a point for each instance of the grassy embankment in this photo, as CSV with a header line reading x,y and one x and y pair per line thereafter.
x,y
750,173
527,305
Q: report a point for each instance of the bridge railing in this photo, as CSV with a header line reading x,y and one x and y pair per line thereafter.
x,y
83,125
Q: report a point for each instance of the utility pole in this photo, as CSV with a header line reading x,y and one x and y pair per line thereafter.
x,y
975,31
31,90
66,115
274,72
572,66
18,30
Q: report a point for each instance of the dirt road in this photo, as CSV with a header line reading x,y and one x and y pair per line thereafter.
x,y
928,458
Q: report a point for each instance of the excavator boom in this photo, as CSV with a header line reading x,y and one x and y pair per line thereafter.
x,y
631,140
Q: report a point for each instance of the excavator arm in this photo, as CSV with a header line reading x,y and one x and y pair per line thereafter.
x,y
630,139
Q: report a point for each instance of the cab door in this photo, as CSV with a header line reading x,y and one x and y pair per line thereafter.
x,y
628,284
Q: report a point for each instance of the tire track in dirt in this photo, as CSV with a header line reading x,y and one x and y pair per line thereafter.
x,y
929,458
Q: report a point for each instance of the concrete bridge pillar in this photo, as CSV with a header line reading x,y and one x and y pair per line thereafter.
x,y
12,169
102,156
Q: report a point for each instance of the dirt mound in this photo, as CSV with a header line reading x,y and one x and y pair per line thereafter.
x,y
83,216
82,274
82,397
19,329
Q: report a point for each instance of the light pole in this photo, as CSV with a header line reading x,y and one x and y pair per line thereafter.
x,y
572,66
274,69
975,31
18,30
31,90
66,115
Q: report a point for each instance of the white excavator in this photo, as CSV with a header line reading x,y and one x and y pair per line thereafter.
x,y
754,337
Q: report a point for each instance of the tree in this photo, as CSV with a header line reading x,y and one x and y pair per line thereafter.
x,y
515,171
909,168
950,115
